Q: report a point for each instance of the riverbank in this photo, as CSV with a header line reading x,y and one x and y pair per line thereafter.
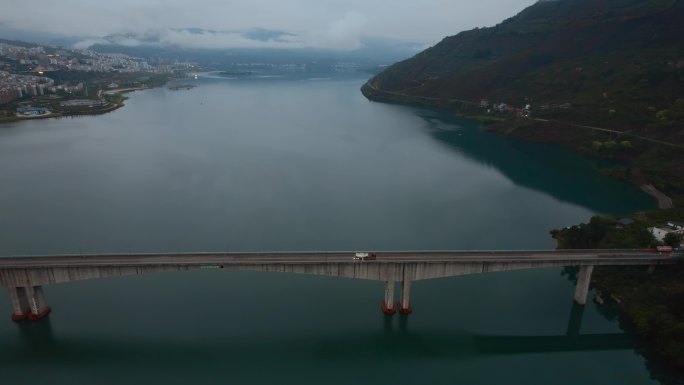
x,y
651,164
79,103
63,113
119,91
177,87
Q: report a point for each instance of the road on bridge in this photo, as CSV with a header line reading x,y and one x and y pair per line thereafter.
x,y
571,256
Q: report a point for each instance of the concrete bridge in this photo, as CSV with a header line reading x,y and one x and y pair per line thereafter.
x,y
24,277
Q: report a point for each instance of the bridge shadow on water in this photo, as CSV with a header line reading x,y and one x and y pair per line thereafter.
x,y
393,341
480,344
36,332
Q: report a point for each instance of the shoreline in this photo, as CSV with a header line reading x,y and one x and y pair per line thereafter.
x,y
372,93
123,90
100,111
664,201
62,114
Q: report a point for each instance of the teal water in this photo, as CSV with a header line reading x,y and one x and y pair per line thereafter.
x,y
299,164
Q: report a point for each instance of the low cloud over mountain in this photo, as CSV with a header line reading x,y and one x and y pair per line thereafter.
x,y
333,24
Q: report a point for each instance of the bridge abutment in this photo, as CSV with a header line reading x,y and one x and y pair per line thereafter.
x,y
388,303
583,281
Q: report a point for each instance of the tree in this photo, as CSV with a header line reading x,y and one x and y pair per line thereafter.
x,y
672,239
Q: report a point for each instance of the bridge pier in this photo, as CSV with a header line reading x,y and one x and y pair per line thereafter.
x,y
28,303
37,304
583,280
20,303
387,305
405,305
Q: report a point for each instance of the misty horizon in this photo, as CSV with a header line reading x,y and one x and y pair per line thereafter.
x,y
306,24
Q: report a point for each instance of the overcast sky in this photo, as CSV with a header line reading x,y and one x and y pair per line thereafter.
x,y
310,23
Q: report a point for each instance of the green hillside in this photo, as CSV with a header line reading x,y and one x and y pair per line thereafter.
x,y
616,63
612,64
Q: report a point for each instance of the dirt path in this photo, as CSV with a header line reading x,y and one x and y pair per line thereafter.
x,y
664,201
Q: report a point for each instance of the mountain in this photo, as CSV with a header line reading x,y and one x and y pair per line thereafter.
x,y
218,48
17,43
371,51
614,63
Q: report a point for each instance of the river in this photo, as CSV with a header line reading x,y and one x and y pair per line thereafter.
x,y
297,163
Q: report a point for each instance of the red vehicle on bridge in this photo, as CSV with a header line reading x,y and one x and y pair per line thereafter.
x,y
664,249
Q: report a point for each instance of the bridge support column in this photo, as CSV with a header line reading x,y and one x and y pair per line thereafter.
x,y
388,304
405,305
20,304
38,305
583,280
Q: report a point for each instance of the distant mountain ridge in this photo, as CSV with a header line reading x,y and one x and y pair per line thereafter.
x,y
624,56
373,51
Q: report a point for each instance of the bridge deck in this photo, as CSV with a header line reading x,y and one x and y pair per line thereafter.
x,y
24,277
571,257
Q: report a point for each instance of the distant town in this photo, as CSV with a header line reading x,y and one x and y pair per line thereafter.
x,y
42,81
23,68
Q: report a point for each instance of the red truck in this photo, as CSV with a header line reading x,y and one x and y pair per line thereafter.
x,y
664,249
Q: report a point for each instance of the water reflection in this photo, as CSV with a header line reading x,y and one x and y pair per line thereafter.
x,y
388,325
388,344
548,169
403,322
37,337
38,332
575,321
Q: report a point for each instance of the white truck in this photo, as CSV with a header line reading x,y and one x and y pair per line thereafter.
x,y
364,256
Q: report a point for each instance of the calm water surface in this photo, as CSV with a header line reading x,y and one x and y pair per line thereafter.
x,y
299,164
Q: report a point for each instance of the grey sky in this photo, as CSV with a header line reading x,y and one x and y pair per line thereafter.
x,y
313,23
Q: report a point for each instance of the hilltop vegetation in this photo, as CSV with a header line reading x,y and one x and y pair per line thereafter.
x,y
621,62
613,64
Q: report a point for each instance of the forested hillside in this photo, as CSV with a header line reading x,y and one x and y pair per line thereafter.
x,y
615,64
